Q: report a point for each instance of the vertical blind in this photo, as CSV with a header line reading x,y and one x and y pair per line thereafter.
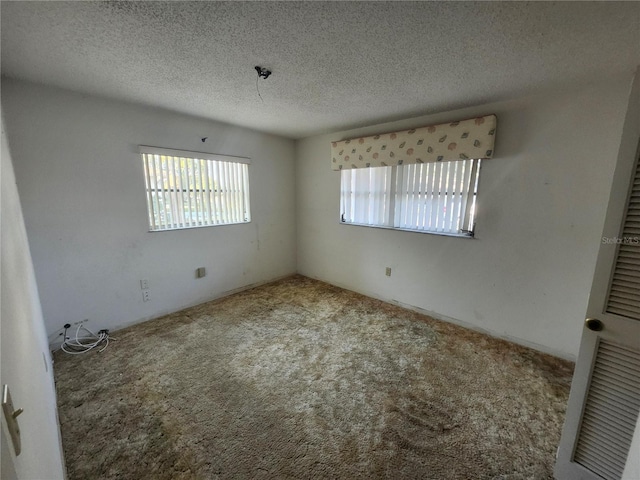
x,y
366,196
429,197
185,191
437,197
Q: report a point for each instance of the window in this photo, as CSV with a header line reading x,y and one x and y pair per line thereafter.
x,y
190,189
428,197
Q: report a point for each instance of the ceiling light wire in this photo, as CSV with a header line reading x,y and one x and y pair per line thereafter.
x,y
258,89
262,73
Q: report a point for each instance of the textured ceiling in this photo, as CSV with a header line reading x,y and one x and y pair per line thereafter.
x,y
335,65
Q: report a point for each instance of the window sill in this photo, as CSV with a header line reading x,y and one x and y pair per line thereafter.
x,y
443,234
192,227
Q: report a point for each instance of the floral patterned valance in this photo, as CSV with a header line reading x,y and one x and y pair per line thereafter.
x,y
473,138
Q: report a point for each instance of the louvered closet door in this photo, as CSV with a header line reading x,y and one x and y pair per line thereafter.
x,y
624,294
610,412
604,404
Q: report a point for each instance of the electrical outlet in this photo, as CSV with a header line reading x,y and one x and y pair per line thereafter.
x,y
388,272
144,284
200,272
81,321
145,296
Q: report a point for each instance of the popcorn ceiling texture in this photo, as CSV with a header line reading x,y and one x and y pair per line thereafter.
x,y
336,65
299,379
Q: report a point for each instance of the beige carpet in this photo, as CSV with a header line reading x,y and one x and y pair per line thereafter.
x,y
301,380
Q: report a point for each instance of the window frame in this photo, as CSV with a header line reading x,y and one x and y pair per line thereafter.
x,y
395,194
205,192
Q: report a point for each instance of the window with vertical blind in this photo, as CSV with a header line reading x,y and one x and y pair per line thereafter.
x,y
437,197
191,189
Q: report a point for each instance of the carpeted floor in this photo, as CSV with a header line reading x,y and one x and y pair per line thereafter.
x,y
302,380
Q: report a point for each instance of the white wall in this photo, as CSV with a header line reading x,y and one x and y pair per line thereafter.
x,y
82,189
542,201
25,359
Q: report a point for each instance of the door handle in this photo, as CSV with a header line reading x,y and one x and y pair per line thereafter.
x,y
594,324
11,416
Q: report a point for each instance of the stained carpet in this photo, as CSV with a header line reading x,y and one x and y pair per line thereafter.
x,y
302,380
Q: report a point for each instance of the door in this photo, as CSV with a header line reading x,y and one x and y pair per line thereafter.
x,y
8,468
604,402
25,366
